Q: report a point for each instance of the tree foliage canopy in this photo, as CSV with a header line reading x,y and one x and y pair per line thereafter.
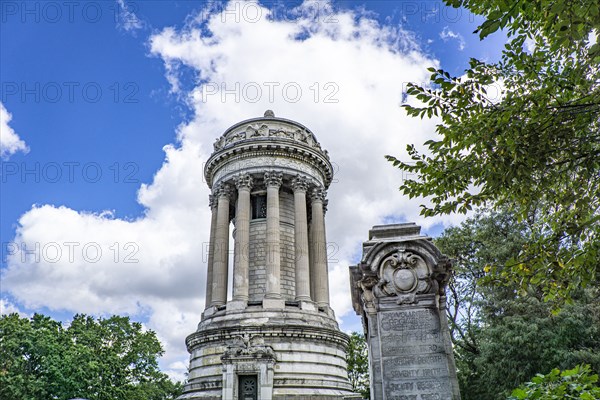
x,y
535,150
482,243
503,337
577,383
103,359
357,360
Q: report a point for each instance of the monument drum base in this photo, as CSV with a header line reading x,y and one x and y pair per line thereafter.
x,y
284,354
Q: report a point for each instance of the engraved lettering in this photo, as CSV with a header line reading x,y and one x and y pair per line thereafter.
x,y
409,320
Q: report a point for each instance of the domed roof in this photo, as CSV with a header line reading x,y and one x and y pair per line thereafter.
x,y
267,126
282,141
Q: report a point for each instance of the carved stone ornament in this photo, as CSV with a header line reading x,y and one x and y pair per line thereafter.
x,y
301,136
248,346
281,133
273,178
236,137
224,190
219,143
299,183
318,194
404,274
244,181
212,201
366,285
261,129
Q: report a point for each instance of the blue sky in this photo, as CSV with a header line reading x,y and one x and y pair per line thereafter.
x,y
109,109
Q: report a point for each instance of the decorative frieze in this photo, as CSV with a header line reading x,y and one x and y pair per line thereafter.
x,y
266,130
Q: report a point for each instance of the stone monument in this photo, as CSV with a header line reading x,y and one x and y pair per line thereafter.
x,y
276,336
398,289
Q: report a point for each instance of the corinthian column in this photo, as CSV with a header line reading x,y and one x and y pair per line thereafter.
x,y
211,250
319,249
221,252
300,185
241,264
273,299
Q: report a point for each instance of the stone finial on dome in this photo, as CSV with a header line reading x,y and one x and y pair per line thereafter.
x,y
269,114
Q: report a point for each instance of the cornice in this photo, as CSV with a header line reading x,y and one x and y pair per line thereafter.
x,y
299,332
257,147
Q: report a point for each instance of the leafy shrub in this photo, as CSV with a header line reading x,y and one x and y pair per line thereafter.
x,y
576,383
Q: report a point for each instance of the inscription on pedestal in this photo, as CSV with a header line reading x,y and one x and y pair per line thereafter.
x,y
414,362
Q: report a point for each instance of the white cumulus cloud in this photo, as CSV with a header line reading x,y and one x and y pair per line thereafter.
x,y
7,307
10,142
126,17
446,34
340,73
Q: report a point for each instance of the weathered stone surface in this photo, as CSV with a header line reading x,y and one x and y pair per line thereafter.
x,y
257,251
415,359
399,291
309,352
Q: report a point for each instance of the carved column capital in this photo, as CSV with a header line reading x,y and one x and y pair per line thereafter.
x,y
273,178
223,190
212,201
300,183
318,194
243,181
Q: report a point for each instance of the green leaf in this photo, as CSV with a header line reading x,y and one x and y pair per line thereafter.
x,y
488,27
494,15
519,394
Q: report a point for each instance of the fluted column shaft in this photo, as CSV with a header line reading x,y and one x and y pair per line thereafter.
x,y
242,238
319,249
221,252
211,250
311,260
300,185
273,181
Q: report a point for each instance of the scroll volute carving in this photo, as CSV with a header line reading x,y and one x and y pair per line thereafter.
x,y
365,287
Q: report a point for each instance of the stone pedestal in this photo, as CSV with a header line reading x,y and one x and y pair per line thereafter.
x,y
399,291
